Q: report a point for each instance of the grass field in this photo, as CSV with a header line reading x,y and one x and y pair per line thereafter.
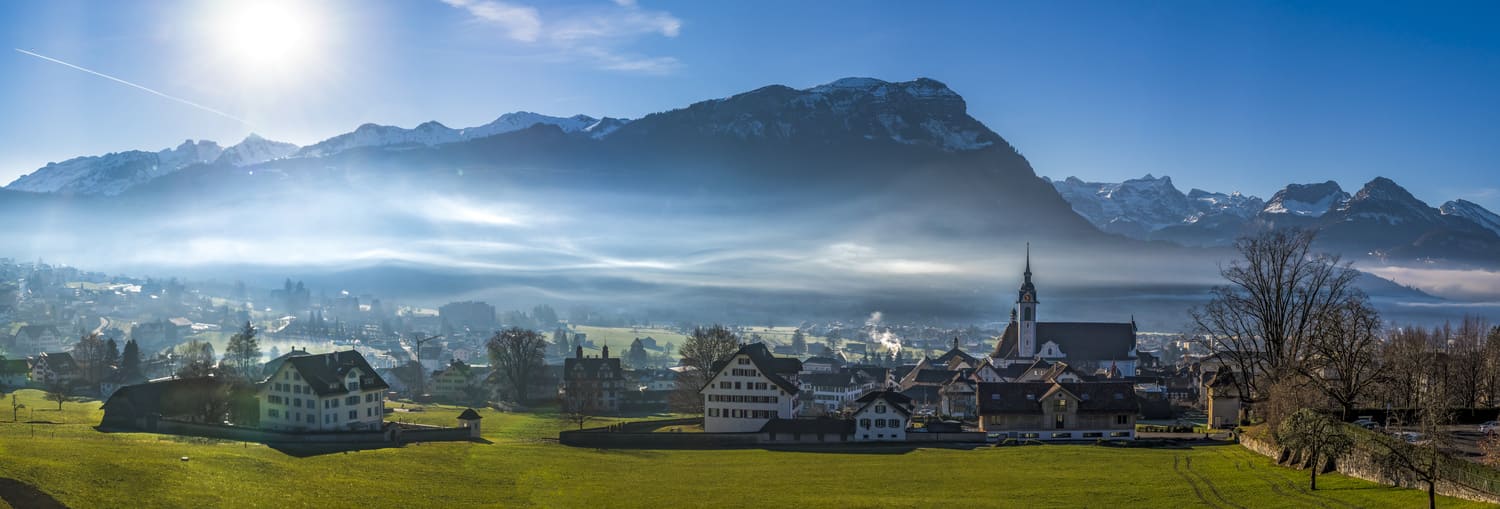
x,y
85,468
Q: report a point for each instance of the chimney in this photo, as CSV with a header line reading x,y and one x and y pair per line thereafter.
x,y
604,352
580,351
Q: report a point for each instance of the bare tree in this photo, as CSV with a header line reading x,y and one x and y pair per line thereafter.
x,y
57,390
1421,460
1346,348
1316,438
574,413
1492,367
1404,359
517,357
703,348
1466,362
1264,320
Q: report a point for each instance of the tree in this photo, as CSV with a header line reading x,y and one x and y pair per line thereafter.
x,y
130,361
574,414
516,355
57,390
1421,461
91,353
111,354
637,357
197,369
243,351
1346,349
1316,438
544,315
799,342
1264,321
704,347
1466,361
560,342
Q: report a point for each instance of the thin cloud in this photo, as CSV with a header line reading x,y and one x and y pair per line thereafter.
x,y
595,34
136,86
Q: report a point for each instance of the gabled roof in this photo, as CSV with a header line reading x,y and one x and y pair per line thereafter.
x,y
773,368
325,373
1079,341
61,362
924,393
469,415
591,368
899,401
930,377
1026,397
954,353
35,331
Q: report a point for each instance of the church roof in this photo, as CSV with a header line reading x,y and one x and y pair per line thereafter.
x,y
1078,340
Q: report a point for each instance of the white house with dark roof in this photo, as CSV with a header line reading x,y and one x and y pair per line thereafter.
x,y
49,368
1085,346
883,416
336,391
750,388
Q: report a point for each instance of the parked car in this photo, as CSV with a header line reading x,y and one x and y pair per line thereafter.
x,y
1490,428
1410,437
1367,424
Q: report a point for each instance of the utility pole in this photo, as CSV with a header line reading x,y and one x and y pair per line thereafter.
x,y
422,370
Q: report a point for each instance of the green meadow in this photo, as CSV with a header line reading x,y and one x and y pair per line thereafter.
x,y
523,466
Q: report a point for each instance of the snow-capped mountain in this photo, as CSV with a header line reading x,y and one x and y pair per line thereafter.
x,y
433,133
255,150
919,112
1307,200
1138,207
113,173
605,126
1473,212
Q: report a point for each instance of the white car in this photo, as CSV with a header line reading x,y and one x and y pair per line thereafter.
x,y
1490,427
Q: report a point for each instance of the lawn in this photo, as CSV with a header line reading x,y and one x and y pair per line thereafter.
x,y
520,467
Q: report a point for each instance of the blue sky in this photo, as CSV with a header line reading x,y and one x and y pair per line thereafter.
x,y
1224,96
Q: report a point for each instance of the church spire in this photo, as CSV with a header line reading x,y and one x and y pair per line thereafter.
x,y
1028,263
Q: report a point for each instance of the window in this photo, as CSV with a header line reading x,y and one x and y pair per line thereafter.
x,y
354,386
1062,435
742,361
297,376
297,402
1060,422
353,414
297,389
879,409
736,385
880,423
1094,434
311,419
1122,419
895,423
351,400
1118,434
865,423
369,397
272,413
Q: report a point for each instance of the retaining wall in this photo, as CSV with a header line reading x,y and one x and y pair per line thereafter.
x,y
1361,464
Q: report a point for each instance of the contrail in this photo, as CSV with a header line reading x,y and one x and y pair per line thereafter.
x,y
147,89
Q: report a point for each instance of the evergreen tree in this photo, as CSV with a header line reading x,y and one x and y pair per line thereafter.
x,y
243,351
638,358
799,342
130,361
111,355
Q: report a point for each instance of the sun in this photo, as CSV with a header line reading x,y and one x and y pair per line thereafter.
x,y
268,36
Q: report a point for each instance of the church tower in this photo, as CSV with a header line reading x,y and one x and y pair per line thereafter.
x,y
1026,308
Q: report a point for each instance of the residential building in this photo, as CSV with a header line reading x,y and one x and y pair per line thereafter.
x,y
1058,410
830,393
882,416
1222,393
50,368
458,382
324,392
750,388
32,339
593,384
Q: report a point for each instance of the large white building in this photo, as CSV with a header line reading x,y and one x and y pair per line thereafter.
x,y
336,391
748,389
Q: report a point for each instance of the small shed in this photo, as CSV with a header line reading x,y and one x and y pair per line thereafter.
x,y
470,419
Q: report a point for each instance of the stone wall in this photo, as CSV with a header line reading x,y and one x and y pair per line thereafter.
x,y
402,434
1361,465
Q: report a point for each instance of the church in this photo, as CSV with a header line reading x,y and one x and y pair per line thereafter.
x,y
1106,349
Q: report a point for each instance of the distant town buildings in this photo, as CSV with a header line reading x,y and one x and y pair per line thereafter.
x,y
474,316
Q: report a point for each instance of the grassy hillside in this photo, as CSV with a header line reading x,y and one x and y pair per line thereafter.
x,y
85,468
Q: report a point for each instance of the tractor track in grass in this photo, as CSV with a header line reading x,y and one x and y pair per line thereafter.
x,y
1177,469
1209,483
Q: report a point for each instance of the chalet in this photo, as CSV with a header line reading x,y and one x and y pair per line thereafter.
x,y
1058,411
750,388
1085,346
593,384
957,397
882,416
50,368
324,392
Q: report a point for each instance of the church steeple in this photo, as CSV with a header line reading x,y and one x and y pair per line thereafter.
x,y
1028,290
1026,307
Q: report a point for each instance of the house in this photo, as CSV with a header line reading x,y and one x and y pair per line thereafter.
x,y
1044,371
956,398
750,388
955,359
1086,346
1058,410
821,365
882,416
15,373
324,392
458,382
1222,393
593,384
32,339
50,368
829,393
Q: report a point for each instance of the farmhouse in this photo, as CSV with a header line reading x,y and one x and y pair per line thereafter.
x,y
50,368
750,388
1058,410
1087,347
324,392
882,417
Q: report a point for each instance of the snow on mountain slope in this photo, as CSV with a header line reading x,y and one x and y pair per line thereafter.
x,y
1307,200
113,173
433,133
1473,212
524,119
605,126
1137,207
255,150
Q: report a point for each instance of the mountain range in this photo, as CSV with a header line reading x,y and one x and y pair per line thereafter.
x,y
1381,220
848,197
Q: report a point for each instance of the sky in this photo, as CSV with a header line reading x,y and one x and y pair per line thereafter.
x,y
1242,96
